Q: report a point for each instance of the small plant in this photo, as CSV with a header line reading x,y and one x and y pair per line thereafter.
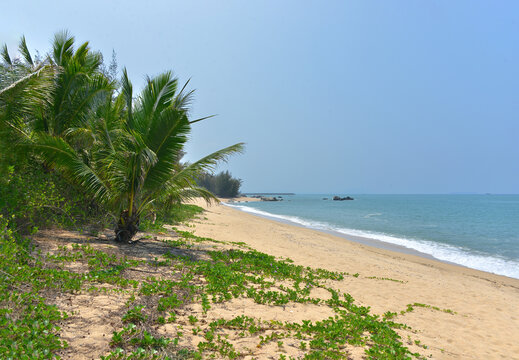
x,y
169,302
134,315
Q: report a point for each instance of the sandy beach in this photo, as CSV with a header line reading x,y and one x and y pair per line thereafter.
x,y
485,323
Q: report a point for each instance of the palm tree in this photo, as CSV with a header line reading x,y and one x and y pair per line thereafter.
x,y
53,95
134,159
124,153
79,84
25,89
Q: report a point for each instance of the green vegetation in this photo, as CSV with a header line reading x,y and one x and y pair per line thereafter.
x,y
31,198
121,150
158,301
79,150
222,184
28,324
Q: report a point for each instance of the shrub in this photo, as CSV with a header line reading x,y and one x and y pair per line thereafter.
x,y
32,197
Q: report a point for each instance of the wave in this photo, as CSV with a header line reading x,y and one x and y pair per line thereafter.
x,y
454,254
372,215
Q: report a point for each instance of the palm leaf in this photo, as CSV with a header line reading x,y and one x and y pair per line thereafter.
x,y
60,154
5,55
203,118
62,47
158,93
181,195
22,81
127,91
185,178
183,100
24,50
21,102
166,137
209,162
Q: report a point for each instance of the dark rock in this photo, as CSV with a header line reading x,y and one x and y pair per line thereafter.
x,y
338,198
264,198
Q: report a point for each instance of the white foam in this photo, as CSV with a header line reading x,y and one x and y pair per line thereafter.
x,y
371,215
294,219
489,263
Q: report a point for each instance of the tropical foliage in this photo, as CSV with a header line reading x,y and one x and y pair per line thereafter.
x,y
122,150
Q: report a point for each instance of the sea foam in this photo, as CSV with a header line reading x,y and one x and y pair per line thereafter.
x,y
440,251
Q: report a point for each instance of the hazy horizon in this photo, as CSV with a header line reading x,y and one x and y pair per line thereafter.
x,y
371,193
356,97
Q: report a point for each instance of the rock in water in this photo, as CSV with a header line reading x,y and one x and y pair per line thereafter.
x,y
338,198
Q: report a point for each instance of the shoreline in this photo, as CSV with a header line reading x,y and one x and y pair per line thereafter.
x,y
379,244
406,252
365,240
486,306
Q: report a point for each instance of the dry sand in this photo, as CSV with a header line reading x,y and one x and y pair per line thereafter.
x,y
486,323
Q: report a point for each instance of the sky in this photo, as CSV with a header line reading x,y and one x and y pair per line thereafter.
x,y
341,97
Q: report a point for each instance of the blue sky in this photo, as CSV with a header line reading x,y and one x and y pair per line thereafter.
x,y
330,96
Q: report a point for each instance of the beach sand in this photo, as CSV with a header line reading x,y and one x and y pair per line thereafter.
x,y
486,320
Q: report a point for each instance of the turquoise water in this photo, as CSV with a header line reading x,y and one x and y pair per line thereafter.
x,y
477,231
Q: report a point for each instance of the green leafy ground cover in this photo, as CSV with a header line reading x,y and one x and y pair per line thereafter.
x,y
173,286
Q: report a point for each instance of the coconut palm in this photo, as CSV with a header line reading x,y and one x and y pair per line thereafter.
x,y
80,86
25,89
124,153
52,95
134,163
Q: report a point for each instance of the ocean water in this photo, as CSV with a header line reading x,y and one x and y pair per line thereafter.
x,y
476,231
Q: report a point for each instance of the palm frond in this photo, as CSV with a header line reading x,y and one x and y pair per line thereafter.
x,y
127,91
166,137
5,55
81,52
185,177
85,135
201,119
188,194
60,154
89,95
158,93
21,101
209,162
88,59
22,81
184,100
180,195
62,47
79,90
24,50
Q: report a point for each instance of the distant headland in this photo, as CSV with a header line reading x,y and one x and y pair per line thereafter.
x,y
265,193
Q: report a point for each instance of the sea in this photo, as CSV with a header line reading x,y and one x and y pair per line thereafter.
x,y
476,231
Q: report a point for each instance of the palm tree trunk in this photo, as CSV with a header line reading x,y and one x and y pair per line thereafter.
x,y
127,227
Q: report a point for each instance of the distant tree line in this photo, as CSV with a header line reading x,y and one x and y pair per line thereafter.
x,y
222,184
